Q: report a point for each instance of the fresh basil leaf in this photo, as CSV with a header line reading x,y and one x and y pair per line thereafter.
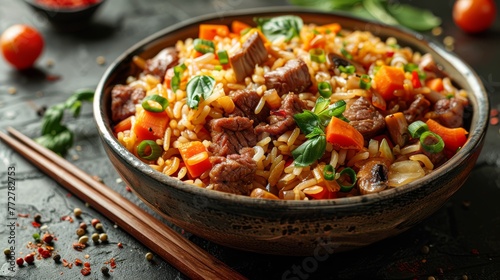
x,y
413,17
321,104
334,110
58,142
378,11
306,121
310,151
52,118
316,131
198,87
283,26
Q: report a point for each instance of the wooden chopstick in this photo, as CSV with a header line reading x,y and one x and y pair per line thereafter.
x,y
161,239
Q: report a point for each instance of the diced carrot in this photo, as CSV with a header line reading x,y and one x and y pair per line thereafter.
x,y
435,84
195,157
453,138
209,31
388,79
306,36
342,135
123,125
329,28
150,126
238,26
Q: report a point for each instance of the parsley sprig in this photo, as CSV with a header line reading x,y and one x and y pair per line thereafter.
x,y
54,135
313,124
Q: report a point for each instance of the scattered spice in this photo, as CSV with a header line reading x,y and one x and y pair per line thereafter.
x,y
35,224
425,249
120,245
431,278
494,120
37,218
7,251
99,227
105,270
78,246
78,262
21,215
436,31
83,225
83,239
466,204
149,256
49,62
101,60
127,188
77,212
112,263
29,259
95,237
47,238
85,271
103,237
493,112
67,218
57,258
80,232
465,277
474,252
94,222
12,90
449,42
19,261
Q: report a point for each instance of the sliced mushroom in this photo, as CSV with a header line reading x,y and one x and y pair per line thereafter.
x,y
373,176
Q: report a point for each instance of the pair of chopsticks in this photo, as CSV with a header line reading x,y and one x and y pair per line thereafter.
x,y
158,237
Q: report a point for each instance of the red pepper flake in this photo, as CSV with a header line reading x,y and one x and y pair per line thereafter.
x,y
85,271
86,264
390,54
78,262
35,224
23,215
67,218
474,252
127,188
493,113
112,263
65,263
120,245
494,121
78,246
47,238
46,254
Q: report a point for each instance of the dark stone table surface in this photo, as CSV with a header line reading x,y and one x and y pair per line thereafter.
x,y
460,241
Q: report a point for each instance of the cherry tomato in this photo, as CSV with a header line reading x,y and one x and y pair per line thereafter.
x,y
474,16
21,45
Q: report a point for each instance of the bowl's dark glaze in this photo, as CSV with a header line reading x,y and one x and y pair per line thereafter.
x,y
66,19
293,227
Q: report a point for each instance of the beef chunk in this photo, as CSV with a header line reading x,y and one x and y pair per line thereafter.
x,y
365,117
253,52
245,102
229,135
417,109
158,65
293,76
234,173
123,100
450,112
282,120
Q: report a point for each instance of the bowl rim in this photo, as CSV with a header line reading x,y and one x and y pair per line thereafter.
x,y
476,134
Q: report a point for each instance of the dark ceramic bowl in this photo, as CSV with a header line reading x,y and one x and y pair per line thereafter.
x,y
66,19
293,227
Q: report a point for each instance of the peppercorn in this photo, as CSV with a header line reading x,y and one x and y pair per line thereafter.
x,y
99,227
149,256
83,239
19,261
83,225
95,237
37,218
29,259
57,258
77,212
47,238
103,237
95,222
80,232
105,270
7,251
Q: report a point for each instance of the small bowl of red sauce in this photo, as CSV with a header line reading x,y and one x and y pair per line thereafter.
x,y
67,15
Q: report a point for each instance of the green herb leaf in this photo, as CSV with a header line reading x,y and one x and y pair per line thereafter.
x,y
198,87
413,17
315,132
307,121
321,104
58,142
52,119
334,110
378,11
282,26
310,151
326,5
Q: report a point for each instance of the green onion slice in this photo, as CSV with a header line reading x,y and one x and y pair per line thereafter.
x,y
329,172
437,147
155,103
204,46
148,150
416,129
349,69
365,82
317,55
178,69
352,176
346,53
218,67
325,89
223,57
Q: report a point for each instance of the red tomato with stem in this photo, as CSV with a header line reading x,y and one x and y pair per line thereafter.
x,y
21,45
474,16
